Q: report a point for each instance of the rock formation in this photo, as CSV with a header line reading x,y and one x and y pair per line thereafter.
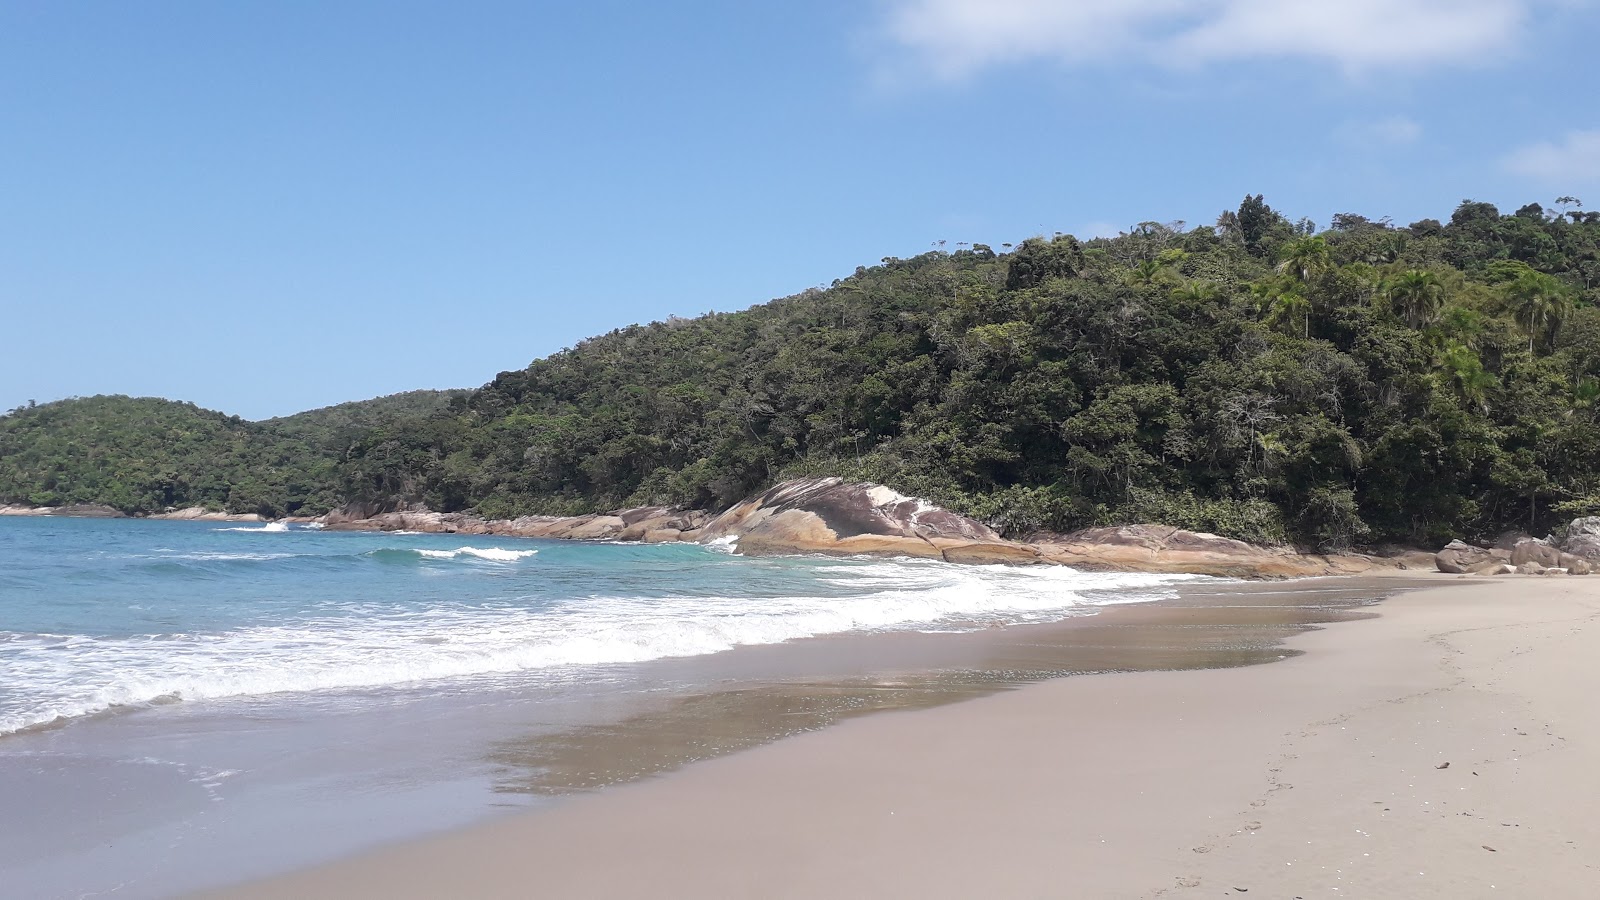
x,y
1583,539
1577,554
830,515
1162,548
1462,558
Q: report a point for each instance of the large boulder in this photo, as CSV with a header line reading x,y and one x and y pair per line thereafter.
x,y
1461,558
1534,550
1583,538
1575,565
831,515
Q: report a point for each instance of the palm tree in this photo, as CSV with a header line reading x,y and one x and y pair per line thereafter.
x,y
1539,302
1586,393
1147,271
1418,296
1290,304
1464,371
1305,258
1196,290
1263,294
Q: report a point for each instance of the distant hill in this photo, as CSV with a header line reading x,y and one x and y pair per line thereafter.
x,y
336,425
144,454
1257,377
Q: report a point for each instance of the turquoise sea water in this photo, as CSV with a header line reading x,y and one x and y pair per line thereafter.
x,y
106,616
189,703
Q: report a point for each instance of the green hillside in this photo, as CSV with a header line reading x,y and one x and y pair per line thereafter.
x,y
1256,377
336,426
145,454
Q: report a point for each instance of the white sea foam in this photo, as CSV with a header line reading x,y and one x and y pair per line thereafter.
x,y
220,556
728,544
492,554
269,528
64,676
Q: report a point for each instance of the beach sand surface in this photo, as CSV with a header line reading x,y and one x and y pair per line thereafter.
x,y
1448,748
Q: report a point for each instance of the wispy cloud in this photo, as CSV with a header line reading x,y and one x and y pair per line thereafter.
x,y
954,39
1572,159
1389,131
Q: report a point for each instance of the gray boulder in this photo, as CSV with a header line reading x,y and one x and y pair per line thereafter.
x,y
1583,538
1460,558
1537,551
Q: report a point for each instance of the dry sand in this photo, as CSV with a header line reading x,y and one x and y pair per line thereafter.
x,y
1449,748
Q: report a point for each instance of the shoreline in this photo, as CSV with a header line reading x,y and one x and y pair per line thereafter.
x,y
832,517
1322,775
214,793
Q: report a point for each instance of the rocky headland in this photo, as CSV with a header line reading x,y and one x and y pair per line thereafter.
x,y
834,517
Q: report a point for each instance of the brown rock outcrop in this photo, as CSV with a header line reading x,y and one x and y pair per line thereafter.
x,y
1162,548
833,516
1461,558
201,514
1537,551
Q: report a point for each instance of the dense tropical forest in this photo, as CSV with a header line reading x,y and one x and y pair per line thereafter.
x,y
144,455
1258,377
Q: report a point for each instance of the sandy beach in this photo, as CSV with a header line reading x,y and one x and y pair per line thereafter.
x,y
1446,748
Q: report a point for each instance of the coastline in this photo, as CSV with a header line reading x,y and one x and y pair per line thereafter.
x,y
832,517
1322,775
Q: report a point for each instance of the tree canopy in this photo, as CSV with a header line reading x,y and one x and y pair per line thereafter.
x,y
1256,378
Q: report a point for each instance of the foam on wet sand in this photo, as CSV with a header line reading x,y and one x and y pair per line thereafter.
x,y
1444,749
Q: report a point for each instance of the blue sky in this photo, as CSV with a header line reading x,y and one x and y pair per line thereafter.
x,y
267,207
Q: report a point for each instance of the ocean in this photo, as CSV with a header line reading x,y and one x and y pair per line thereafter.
x,y
185,704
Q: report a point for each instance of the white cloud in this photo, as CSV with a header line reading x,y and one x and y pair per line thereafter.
x,y
1392,131
1574,158
956,38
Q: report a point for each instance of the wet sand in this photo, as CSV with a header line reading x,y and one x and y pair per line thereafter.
x,y
185,797
1210,624
1323,775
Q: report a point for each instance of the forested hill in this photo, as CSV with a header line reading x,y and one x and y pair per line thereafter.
x,y
336,426
1258,377
146,454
